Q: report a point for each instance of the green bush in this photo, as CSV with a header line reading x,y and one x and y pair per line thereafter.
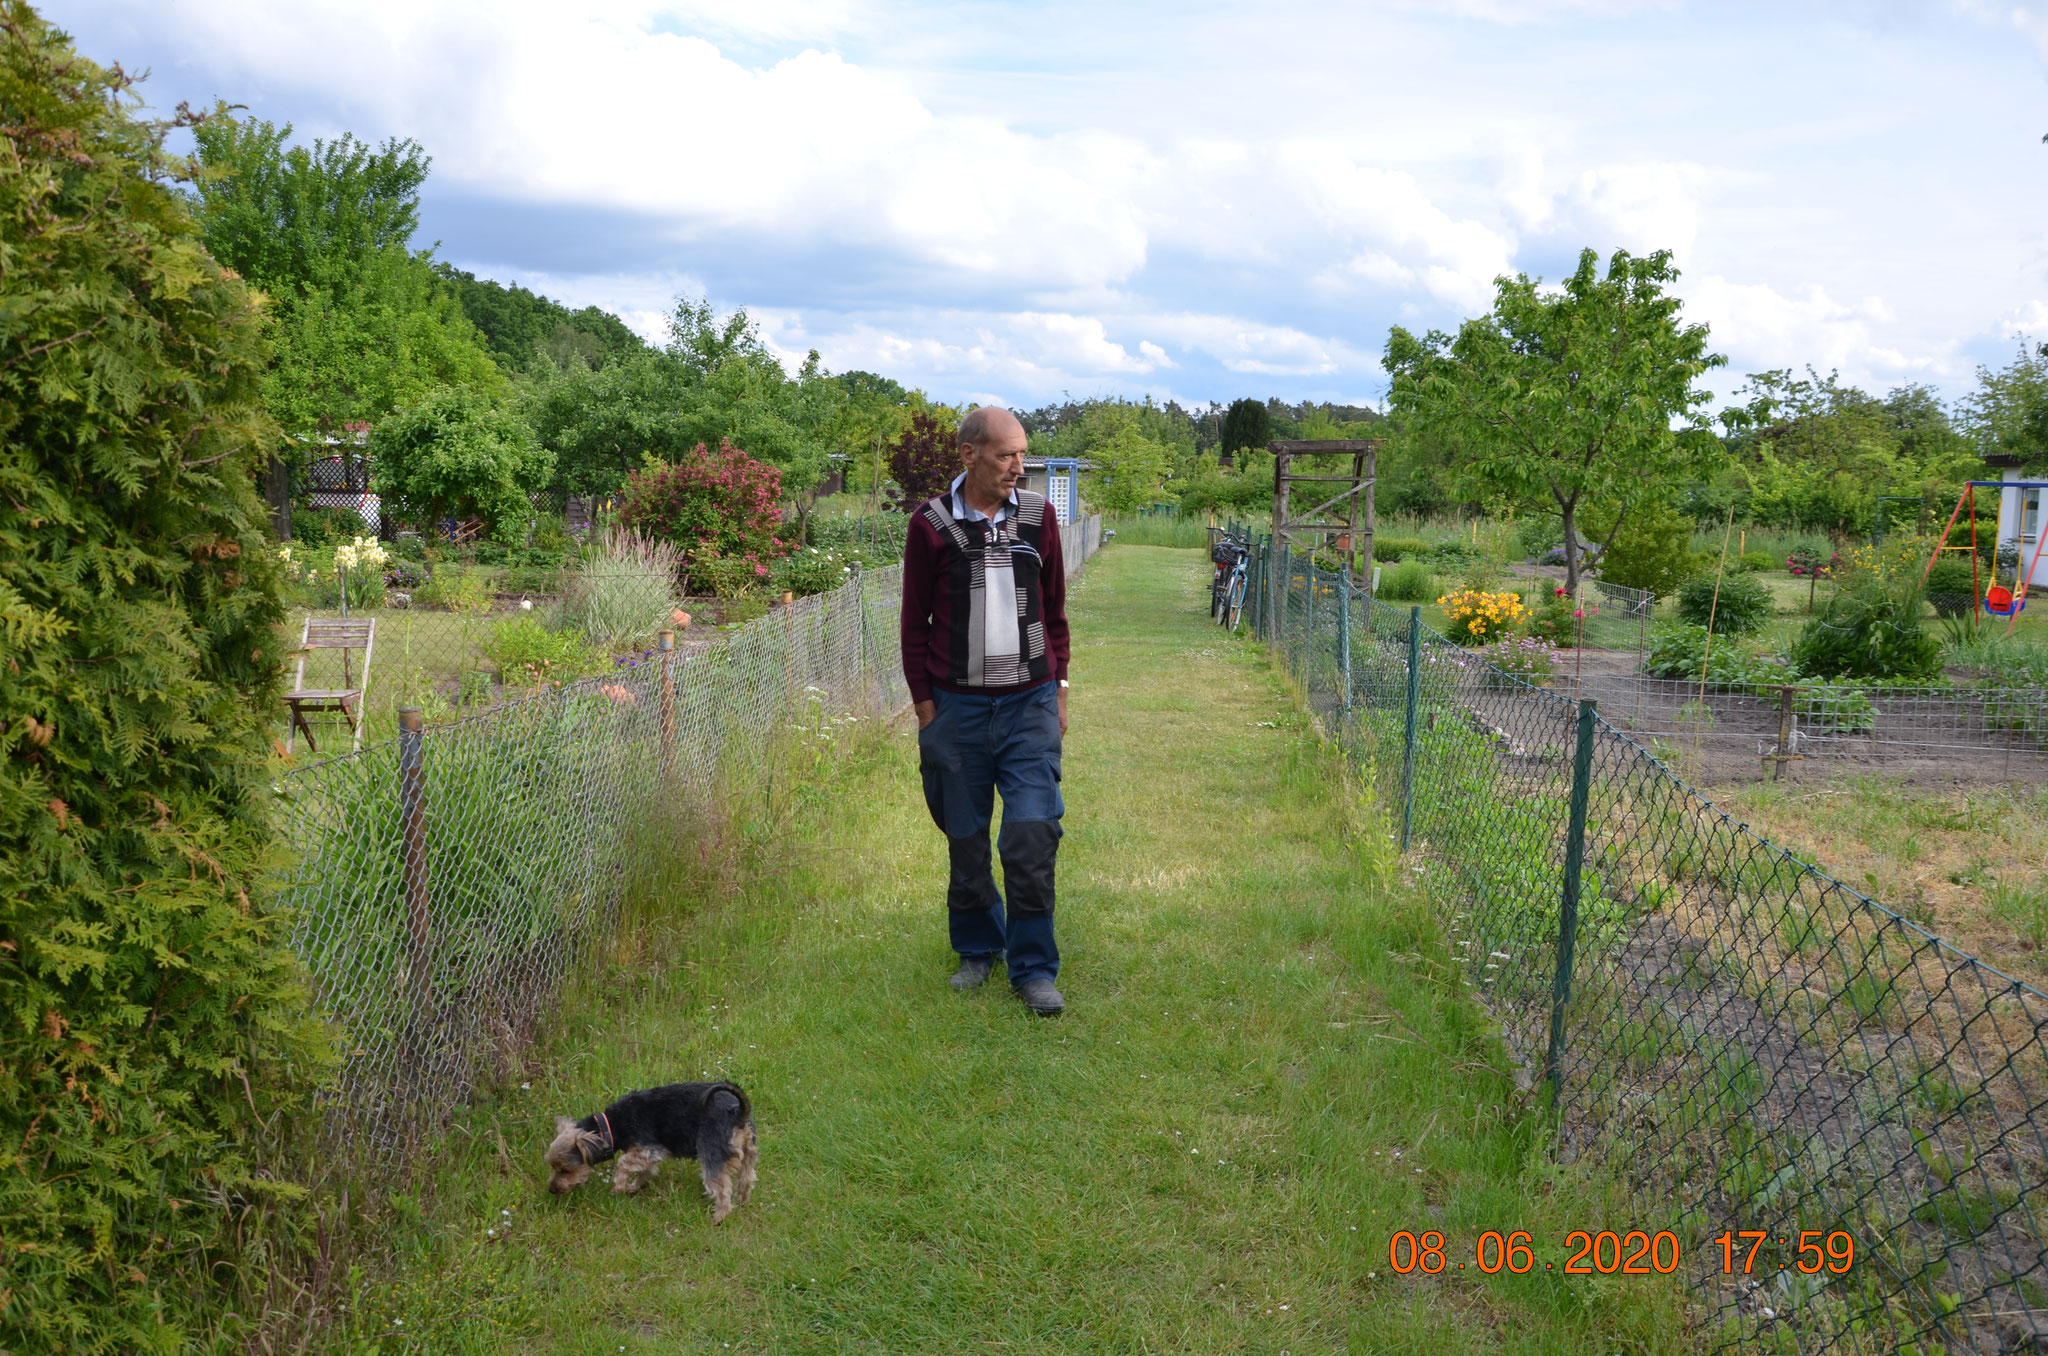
x,y
811,570
1537,535
1871,632
156,1038
1399,548
1652,550
1759,562
1744,603
457,453
1411,582
453,588
527,652
1678,650
313,528
1951,587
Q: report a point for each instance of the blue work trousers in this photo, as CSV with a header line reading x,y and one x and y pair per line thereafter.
x,y
974,747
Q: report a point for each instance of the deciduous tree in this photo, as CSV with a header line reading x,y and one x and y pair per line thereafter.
x,y
1557,396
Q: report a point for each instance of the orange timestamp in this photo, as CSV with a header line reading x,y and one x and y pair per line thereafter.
x,y
1817,1250
1589,1253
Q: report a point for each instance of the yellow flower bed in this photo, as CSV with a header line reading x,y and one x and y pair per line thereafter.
x,y
1477,615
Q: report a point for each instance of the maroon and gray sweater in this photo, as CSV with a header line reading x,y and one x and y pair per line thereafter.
x,y
945,598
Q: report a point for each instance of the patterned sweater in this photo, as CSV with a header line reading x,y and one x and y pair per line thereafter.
x,y
952,564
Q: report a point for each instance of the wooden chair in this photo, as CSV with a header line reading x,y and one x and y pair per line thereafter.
x,y
332,633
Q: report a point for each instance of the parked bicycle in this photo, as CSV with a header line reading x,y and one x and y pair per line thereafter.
x,y
1230,557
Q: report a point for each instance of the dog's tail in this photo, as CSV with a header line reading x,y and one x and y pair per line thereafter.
x,y
725,1111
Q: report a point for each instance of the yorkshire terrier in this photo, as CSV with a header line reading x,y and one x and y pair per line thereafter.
x,y
711,1122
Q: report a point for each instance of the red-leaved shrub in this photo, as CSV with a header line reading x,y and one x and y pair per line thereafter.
x,y
923,460
712,505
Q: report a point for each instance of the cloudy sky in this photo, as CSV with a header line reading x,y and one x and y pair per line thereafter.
x,y
1007,201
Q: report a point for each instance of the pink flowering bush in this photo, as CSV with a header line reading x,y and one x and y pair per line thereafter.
x,y
715,506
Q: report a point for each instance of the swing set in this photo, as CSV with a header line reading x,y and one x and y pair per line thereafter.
x,y
1998,600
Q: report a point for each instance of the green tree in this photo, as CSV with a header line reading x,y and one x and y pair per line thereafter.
x,y
1246,424
457,454
154,1034
2007,415
359,323
522,328
1650,548
1556,397
1127,466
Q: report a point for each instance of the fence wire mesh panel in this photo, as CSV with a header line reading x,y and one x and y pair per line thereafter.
x,y
447,880
1761,1047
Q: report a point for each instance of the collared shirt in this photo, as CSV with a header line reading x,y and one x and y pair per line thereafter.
x,y
967,514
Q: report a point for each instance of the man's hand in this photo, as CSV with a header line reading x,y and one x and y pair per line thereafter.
x,y
1063,713
927,712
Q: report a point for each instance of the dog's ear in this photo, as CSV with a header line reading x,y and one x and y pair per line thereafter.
x,y
563,1125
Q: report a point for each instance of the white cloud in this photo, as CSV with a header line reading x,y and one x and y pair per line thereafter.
x,y
1759,327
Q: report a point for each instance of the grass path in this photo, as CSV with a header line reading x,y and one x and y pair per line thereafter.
x,y
1265,1069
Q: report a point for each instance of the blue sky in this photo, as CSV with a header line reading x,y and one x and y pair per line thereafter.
x,y
1007,201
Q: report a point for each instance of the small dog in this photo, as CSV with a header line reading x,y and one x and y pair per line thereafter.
x,y
711,1122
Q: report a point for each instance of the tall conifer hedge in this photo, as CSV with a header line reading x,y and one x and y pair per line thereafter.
x,y
151,1026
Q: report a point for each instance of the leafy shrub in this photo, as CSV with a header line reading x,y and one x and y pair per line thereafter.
x,y
1476,616
1399,548
1758,562
527,652
1538,535
1652,550
1807,562
1451,550
1554,619
457,453
1677,651
729,576
708,504
1952,587
533,579
157,1035
923,460
452,588
1743,605
1410,582
810,571
1870,632
622,591
313,528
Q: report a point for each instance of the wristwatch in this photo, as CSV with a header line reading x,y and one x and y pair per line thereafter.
x,y
1065,683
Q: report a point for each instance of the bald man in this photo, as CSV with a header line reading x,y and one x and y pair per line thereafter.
x,y
985,654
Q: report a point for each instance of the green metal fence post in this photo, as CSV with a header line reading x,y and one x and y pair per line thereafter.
x,y
1414,702
1344,636
1282,588
1568,914
1308,621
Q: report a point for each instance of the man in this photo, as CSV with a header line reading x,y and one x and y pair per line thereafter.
x,y
985,654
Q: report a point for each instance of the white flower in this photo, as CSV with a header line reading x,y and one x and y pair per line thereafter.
x,y
526,604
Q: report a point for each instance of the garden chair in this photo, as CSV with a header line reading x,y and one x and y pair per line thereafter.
x,y
332,633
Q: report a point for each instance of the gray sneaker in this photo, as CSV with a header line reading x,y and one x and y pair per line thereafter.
x,y
972,972
1041,997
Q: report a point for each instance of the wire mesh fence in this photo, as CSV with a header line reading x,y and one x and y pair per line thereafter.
x,y
447,880
1840,1115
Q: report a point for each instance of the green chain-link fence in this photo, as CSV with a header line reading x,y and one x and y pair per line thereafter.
x,y
1759,1046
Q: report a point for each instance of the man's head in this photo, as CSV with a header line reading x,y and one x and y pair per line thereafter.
x,y
992,446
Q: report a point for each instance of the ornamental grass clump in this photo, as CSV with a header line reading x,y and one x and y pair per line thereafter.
x,y
156,1040
623,590
1476,616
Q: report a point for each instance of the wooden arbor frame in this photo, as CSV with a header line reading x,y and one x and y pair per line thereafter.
x,y
1339,504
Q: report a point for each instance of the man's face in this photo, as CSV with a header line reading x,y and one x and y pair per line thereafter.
x,y
996,464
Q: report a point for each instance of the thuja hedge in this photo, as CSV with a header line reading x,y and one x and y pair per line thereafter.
x,y
152,1029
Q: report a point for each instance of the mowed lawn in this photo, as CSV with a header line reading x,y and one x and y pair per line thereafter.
x,y
1268,1065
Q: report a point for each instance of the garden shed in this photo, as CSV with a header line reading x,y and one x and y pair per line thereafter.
x,y
2019,517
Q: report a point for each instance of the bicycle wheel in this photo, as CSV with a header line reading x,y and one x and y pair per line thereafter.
x,y
1218,589
1234,609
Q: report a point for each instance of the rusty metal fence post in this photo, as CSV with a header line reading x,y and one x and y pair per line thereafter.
x,y
412,833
